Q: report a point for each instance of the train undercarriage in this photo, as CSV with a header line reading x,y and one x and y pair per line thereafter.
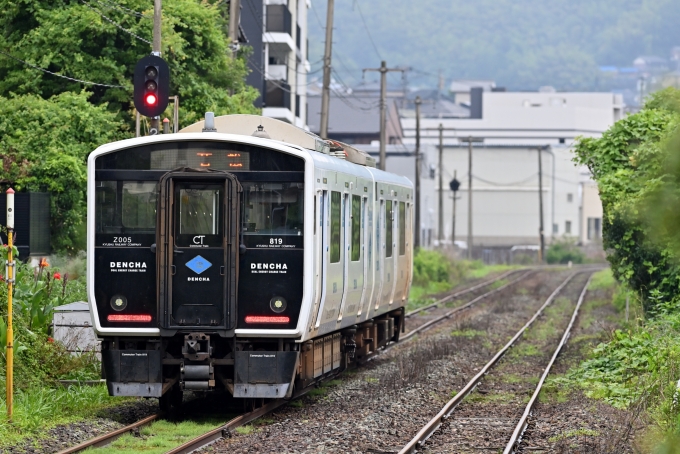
x,y
248,368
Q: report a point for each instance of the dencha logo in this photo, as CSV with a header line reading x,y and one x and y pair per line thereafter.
x,y
268,266
127,264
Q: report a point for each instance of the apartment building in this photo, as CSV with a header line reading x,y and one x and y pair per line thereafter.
x,y
277,32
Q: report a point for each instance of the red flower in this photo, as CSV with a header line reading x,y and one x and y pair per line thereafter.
x,y
57,275
50,340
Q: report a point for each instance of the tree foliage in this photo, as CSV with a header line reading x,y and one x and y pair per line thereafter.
x,y
49,124
635,164
89,40
44,145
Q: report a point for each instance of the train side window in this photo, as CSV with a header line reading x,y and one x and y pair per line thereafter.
x,y
335,238
402,228
388,228
356,228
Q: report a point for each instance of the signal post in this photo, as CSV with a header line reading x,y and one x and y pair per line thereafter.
x,y
10,284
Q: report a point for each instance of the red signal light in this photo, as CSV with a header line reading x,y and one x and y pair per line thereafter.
x,y
150,99
138,318
267,319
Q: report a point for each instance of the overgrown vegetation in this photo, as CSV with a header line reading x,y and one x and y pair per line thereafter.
x,y
434,272
637,169
564,251
39,361
48,124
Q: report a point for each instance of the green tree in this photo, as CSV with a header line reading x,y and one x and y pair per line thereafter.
x,y
635,164
44,145
93,40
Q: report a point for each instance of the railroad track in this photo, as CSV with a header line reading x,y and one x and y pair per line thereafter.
x,y
429,429
224,430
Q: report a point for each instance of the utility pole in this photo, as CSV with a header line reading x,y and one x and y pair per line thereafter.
x,y
383,70
440,233
326,90
540,206
156,50
417,226
234,20
469,233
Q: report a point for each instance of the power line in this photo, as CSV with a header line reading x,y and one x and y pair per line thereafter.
x,y
59,75
368,32
114,22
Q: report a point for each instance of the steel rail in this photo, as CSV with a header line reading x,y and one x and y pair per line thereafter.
x,y
516,437
460,293
424,326
225,430
434,423
103,440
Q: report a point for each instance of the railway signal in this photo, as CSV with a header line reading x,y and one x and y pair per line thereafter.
x,y
152,86
454,185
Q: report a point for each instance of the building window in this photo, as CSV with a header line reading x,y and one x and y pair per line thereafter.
x,y
594,228
556,229
567,227
570,197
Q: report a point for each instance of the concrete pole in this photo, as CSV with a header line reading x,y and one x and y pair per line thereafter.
x,y
383,116
440,232
418,164
469,233
234,19
326,90
453,219
541,256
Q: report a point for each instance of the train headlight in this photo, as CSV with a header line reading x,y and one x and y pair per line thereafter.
x,y
278,304
118,302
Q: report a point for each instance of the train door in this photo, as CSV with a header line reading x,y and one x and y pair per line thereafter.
x,y
197,243
402,268
380,253
354,283
388,273
334,275
367,250
321,235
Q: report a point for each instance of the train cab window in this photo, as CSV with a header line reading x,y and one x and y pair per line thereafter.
x,y
402,228
125,206
139,204
388,228
356,228
336,208
272,208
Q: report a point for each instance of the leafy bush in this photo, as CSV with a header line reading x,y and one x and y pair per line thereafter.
x,y
564,252
431,266
636,167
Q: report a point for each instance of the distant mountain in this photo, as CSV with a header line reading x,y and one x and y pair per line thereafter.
x,y
522,44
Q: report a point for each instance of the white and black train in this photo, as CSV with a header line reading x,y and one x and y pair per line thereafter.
x,y
242,254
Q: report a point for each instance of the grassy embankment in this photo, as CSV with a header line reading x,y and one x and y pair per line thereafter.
x,y
40,403
635,367
435,273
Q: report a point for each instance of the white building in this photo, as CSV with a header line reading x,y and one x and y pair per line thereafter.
x,y
279,63
509,130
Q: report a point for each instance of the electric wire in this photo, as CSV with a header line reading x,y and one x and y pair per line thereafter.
x,y
115,23
361,14
73,79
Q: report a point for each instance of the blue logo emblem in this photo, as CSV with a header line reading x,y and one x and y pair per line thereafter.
x,y
198,264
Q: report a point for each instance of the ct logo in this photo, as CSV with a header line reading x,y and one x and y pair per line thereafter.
x,y
198,239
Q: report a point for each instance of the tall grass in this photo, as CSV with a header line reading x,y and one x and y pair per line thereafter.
x,y
37,409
